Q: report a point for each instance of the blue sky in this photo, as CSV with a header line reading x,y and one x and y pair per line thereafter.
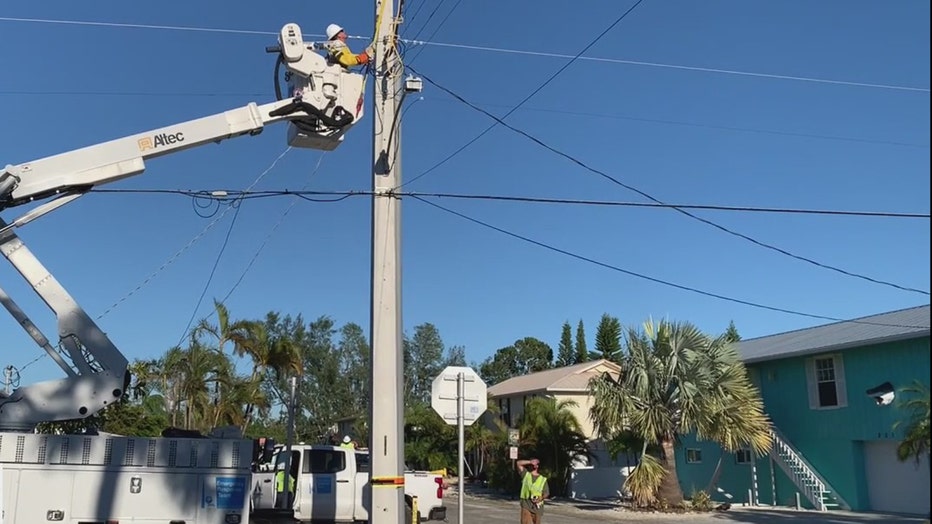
x,y
685,136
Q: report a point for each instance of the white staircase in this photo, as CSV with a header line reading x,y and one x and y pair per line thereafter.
x,y
806,479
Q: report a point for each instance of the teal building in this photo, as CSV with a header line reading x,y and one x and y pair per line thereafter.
x,y
832,393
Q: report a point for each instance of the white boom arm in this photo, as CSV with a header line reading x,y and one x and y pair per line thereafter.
x,y
327,101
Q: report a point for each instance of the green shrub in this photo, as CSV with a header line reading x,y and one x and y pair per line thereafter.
x,y
701,501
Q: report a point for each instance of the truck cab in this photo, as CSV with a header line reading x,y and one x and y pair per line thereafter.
x,y
332,485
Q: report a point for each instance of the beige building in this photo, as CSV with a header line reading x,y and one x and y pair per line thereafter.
x,y
603,477
566,383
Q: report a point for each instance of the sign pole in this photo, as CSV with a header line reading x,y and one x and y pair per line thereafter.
x,y
460,429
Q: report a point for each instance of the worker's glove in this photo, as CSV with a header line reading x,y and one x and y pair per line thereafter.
x,y
371,52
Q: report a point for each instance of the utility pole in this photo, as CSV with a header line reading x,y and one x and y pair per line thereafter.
x,y
386,409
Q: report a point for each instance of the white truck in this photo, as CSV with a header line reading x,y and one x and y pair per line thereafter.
x,y
332,485
100,478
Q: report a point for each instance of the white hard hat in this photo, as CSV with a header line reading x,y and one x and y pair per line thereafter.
x,y
333,30
346,439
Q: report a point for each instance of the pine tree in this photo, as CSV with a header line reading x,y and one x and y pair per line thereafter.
x,y
565,353
731,334
582,353
608,339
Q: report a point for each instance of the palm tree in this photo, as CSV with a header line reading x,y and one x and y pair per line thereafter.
x,y
550,428
269,354
677,380
915,441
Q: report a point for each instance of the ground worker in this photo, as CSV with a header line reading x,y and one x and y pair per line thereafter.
x,y
340,52
534,490
348,443
280,495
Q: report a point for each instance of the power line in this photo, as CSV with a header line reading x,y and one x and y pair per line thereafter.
x,y
773,76
23,92
418,52
523,101
656,200
715,70
271,232
752,209
238,205
342,195
17,92
701,125
654,279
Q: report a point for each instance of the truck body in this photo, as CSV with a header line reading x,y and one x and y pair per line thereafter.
x,y
332,485
83,479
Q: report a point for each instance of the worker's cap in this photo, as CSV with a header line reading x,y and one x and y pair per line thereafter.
x,y
346,439
333,30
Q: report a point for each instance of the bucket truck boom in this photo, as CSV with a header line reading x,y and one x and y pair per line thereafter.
x,y
325,102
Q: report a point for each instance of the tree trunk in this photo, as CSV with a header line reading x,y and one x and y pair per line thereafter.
x,y
670,486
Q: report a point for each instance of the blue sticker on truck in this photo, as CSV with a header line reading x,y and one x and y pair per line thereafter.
x,y
226,493
323,485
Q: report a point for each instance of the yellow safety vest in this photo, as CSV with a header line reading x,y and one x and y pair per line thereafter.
x,y
280,482
341,54
531,487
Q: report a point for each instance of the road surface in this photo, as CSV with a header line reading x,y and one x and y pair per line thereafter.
x,y
492,510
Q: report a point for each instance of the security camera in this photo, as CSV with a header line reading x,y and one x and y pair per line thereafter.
x,y
883,394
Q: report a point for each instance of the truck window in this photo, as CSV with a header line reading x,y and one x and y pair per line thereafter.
x,y
362,462
323,461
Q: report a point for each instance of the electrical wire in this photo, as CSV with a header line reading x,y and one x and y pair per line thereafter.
x,y
708,222
429,18
697,124
655,280
237,205
751,209
417,53
343,195
490,49
271,232
525,99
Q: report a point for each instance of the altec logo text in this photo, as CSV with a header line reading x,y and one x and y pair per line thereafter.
x,y
162,139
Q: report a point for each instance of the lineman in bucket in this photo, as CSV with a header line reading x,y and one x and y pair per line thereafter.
x,y
534,490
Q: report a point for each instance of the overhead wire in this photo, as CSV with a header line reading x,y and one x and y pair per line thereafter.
x,y
649,278
610,203
238,205
429,18
540,87
271,232
699,125
650,197
773,76
417,52
344,194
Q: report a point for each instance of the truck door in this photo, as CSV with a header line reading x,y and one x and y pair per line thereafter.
x,y
362,490
329,495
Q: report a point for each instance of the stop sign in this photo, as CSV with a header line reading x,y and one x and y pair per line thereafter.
x,y
443,395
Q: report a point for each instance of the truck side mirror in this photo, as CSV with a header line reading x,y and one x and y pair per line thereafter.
x,y
269,450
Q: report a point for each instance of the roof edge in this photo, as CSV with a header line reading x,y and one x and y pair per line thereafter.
x,y
837,347
855,320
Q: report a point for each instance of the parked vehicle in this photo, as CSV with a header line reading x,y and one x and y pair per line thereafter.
x,y
332,485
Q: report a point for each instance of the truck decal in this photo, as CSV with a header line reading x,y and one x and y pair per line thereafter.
x,y
223,492
322,486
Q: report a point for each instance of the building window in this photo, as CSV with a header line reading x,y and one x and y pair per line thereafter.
x,y
693,456
743,456
504,409
826,382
